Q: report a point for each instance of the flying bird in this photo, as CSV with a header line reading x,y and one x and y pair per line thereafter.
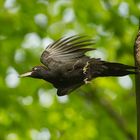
x,y
66,66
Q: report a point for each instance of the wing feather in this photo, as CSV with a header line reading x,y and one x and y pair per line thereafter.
x,y
65,50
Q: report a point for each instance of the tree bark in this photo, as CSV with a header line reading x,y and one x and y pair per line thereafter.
x,y
137,80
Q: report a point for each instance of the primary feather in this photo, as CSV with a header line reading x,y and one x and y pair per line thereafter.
x,y
66,50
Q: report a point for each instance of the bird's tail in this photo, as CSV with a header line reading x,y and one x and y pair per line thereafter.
x,y
116,69
98,68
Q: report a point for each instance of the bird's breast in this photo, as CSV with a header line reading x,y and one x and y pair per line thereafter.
x,y
66,78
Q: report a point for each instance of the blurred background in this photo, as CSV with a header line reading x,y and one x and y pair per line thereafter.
x,y
30,109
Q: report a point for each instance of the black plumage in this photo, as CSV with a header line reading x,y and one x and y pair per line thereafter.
x,y
67,67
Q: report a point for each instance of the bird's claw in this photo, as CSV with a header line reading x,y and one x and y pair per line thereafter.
x,y
85,71
85,68
86,80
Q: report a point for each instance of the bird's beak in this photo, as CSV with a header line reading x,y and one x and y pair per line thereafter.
x,y
27,74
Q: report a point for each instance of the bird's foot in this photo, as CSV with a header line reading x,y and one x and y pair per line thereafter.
x,y
86,80
85,68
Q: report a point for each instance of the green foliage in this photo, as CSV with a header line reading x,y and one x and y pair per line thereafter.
x,y
29,108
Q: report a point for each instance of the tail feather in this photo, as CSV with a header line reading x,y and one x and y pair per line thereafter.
x,y
117,69
103,68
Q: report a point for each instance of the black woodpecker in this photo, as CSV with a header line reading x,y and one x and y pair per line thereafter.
x,y
66,66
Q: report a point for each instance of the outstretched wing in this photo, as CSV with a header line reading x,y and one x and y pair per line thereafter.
x,y
66,50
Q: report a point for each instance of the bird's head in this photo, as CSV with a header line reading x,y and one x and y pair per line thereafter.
x,y
37,72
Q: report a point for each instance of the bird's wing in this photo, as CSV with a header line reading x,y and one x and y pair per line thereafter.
x,y
66,50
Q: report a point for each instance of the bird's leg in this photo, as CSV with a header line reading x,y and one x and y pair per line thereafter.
x,y
86,73
86,80
85,68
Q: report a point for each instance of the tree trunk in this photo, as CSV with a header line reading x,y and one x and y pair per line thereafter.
x,y
137,80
